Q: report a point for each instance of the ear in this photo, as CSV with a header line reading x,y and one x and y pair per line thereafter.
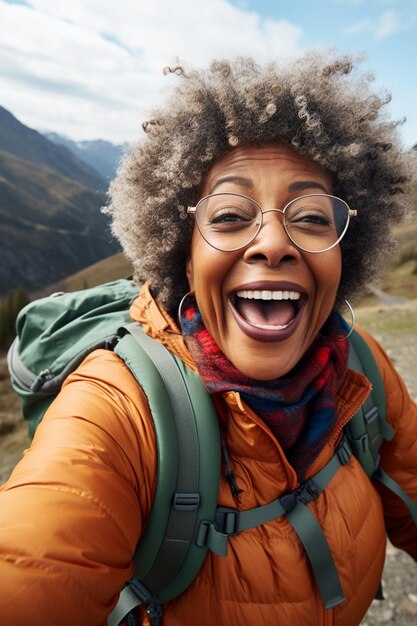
x,y
189,270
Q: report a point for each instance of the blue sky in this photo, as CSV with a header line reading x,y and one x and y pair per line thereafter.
x,y
93,68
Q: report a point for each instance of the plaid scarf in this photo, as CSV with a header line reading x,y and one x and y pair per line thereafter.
x,y
299,408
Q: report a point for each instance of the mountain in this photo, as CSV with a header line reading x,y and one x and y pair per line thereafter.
x,y
28,144
102,155
110,268
50,220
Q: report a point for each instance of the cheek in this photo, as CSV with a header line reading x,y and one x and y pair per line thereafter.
x,y
207,271
327,272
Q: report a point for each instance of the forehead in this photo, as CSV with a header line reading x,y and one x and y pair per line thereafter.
x,y
254,162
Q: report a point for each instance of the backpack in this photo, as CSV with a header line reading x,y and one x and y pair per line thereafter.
x,y
56,333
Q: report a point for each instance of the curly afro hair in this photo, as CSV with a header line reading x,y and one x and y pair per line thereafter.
x,y
319,105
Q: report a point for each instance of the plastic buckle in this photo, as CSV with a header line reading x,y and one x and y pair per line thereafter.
x,y
140,590
371,414
364,442
344,452
288,501
111,342
227,521
155,613
186,501
307,491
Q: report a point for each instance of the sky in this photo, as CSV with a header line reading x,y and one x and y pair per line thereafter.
x,y
92,69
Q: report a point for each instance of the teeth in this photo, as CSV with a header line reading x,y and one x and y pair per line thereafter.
x,y
269,295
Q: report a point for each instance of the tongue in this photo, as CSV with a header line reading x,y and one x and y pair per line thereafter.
x,y
270,313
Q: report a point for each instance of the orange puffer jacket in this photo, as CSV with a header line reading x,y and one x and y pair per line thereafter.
x,y
74,507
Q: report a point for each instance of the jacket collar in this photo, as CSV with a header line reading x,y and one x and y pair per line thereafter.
x,y
157,323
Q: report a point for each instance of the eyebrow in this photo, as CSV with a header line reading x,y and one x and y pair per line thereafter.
x,y
301,185
237,180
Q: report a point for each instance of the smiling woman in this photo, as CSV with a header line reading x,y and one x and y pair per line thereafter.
x,y
268,261
260,199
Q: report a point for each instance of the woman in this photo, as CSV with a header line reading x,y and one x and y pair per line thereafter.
x,y
235,211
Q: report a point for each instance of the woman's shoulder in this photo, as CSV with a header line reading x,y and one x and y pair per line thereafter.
x,y
105,366
102,398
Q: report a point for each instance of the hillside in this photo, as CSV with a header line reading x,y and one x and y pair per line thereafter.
x,y
28,144
50,220
104,271
50,226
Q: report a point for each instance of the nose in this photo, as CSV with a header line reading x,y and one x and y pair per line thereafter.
x,y
272,244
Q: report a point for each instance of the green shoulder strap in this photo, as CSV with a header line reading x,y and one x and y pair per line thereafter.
x,y
369,427
188,443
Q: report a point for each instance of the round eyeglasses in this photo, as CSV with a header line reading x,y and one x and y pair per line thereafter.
x,y
230,221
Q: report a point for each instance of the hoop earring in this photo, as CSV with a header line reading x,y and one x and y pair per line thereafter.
x,y
352,313
181,304
350,331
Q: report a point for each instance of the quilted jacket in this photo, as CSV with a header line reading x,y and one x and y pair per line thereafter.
x,y
74,507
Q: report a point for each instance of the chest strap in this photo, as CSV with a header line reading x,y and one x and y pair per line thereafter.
x,y
228,522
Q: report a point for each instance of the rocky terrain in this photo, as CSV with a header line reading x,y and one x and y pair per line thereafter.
x,y
395,327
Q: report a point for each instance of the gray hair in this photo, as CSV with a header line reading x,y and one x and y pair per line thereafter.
x,y
319,105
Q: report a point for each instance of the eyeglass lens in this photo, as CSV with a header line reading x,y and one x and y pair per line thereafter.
x,y
314,222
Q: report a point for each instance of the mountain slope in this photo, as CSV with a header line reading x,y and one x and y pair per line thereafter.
x,y
50,225
28,144
102,155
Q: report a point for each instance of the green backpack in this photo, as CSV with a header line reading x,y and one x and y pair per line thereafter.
x,y
56,333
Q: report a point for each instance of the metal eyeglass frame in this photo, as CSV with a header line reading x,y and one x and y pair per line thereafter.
x,y
192,210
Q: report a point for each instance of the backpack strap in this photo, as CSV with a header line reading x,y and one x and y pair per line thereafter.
x,y
369,427
293,506
188,473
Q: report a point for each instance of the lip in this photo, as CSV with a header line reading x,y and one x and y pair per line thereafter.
x,y
268,334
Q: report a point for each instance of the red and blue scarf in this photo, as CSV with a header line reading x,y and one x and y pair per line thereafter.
x,y
299,408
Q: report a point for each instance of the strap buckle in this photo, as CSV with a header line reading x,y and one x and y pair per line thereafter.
x,y
186,501
227,521
209,537
344,451
307,491
371,414
140,590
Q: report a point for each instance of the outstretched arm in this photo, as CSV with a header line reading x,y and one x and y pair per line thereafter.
x,y
73,509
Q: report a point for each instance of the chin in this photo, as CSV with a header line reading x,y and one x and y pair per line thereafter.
x,y
264,370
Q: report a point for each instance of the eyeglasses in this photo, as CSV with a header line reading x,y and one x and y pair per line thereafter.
x,y
230,221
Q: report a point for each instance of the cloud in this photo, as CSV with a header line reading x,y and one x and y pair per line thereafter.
x,y
386,25
359,27
91,68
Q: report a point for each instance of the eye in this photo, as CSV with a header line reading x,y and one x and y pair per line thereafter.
x,y
310,217
227,215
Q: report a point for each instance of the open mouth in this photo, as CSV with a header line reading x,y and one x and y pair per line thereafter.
x,y
267,314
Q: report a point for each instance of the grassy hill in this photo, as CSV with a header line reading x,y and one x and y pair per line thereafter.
x,y
400,275
103,271
50,220
50,225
